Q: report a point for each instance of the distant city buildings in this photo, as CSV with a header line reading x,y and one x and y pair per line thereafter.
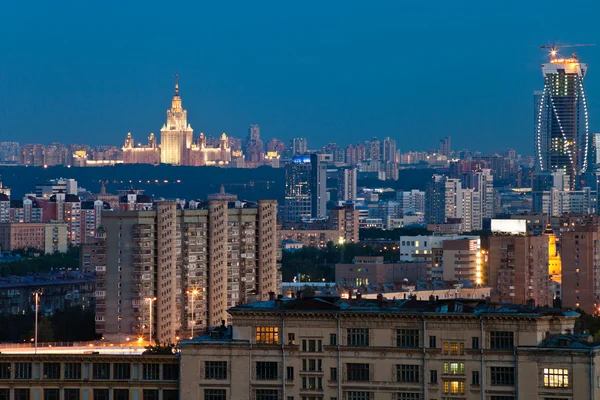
x,y
305,188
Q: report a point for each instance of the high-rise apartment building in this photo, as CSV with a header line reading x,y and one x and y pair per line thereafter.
x,y
347,183
305,188
555,202
446,200
388,150
462,260
298,146
160,262
9,152
481,181
176,135
562,133
411,201
518,268
446,146
253,145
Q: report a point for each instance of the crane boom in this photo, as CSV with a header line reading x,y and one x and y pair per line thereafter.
x,y
554,49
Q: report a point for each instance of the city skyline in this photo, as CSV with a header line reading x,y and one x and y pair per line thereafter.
x,y
324,75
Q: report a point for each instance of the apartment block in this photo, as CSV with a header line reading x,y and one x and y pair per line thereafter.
x,y
160,262
358,349
50,237
518,268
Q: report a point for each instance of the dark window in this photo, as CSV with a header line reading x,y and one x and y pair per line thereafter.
x,y
121,371
267,394
150,394
21,394
52,394
501,340
71,394
508,397
332,339
290,373
100,394
101,371
170,372
475,342
4,370
408,396
333,375
502,376
215,369
357,372
72,370
407,373
475,378
215,394
51,371
266,370
23,370
4,394
407,338
170,394
358,336
358,395
432,342
151,372
120,394
433,376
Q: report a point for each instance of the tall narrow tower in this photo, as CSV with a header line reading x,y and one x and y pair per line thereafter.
x,y
562,132
176,135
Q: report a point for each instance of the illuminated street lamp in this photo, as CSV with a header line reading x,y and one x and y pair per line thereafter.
x,y
150,301
193,293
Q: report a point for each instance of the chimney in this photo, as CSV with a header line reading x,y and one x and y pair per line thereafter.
x,y
222,322
531,303
358,296
271,295
431,298
413,297
380,298
437,298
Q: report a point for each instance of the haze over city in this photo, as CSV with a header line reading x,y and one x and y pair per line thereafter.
x,y
330,72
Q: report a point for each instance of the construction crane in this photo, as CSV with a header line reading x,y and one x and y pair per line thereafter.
x,y
554,48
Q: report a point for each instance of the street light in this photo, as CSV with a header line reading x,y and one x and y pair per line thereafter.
x,y
150,300
37,294
194,293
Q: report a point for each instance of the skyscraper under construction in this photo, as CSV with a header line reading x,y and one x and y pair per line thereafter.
x,y
562,132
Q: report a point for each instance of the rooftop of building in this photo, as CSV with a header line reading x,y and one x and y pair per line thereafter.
x,y
401,306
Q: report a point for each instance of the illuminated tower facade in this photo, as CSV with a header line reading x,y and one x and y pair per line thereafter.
x,y
176,135
562,132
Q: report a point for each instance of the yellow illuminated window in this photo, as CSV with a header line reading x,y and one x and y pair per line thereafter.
x,y
556,377
267,335
454,368
454,387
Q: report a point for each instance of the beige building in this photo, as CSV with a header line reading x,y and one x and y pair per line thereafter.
x,y
47,237
176,135
518,268
325,348
462,260
169,269
141,154
88,376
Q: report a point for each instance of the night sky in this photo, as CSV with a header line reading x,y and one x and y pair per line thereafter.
x,y
331,71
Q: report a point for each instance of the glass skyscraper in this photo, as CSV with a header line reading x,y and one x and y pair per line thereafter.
x,y
563,142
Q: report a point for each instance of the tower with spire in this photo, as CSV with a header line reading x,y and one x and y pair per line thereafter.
x,y
176,135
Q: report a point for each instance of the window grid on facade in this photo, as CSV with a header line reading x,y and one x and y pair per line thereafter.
x,y
5,394
475,378
51,394
408,396
72,370
358,395
122,371
454,368
332,339
215,394
357,372
475,342
407,373
333,374
151,372
454,387
501,340
289,373
432,342
51,370
266,370
21,394
267,394
120,394
101,371
502,376
170,372
453,348
556,377
407,338
22,370
71,394
358,336
267,335
215,370
100,394
433,376
5,370
150,394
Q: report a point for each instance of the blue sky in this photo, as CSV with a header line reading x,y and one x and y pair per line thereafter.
x,y
331,71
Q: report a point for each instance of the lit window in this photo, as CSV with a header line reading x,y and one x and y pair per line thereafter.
x,y
267,335
454,387
556,377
